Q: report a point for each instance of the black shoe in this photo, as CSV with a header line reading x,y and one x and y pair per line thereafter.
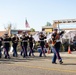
x,y
29,54
61,62
9,57
40,56
5,57
24,56
13,55
21,53
0,56
16,55
54,63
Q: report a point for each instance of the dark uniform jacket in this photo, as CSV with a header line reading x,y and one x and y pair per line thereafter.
x,y
42,42
15,41
1,39
6,41
24,40
31,40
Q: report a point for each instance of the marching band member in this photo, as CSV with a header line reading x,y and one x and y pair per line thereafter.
x,y
56,46
15,40
31,41
6,42
42,44
24,39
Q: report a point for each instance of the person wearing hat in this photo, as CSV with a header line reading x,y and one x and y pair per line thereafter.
x,y
15,40
24,44
42,44
23,35
56,46
31,41
6,42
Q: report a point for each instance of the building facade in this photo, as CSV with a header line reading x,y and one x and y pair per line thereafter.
x,y
47,29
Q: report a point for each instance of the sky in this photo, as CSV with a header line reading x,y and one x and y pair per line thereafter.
x,y
37,12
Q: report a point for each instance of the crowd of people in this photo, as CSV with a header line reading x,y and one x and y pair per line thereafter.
x,y
26,40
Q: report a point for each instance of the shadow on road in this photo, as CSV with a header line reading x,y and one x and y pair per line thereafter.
x,y
21,59
69,64
28,59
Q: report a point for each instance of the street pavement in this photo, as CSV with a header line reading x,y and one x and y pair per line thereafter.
x,y
66,54
39,65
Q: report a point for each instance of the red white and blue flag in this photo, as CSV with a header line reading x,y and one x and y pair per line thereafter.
x,y
27,24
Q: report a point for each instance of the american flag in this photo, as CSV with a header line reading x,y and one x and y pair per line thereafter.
x,y
27,24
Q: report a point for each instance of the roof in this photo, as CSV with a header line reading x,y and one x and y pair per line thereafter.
x,y
65,21
68,28
2,33
19,30
47,27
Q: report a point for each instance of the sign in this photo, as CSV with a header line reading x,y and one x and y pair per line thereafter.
x,y
14,32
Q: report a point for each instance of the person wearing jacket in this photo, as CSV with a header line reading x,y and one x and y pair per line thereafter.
x,y
56,46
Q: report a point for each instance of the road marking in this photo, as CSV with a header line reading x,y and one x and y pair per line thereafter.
x,y
44,68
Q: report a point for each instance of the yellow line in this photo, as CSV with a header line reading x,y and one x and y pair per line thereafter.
x,y
45,68
52,69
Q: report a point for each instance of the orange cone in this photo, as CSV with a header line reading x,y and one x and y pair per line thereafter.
x,y
69,51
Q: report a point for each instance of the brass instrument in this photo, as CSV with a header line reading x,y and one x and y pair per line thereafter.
x,y
57,38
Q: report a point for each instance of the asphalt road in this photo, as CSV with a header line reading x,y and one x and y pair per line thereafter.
x,y
37,66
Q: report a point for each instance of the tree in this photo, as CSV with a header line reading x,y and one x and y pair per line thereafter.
x,y
48,24
32,30
8,29
10,26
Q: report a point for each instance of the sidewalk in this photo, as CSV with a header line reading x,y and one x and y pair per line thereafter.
x,y
65,54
